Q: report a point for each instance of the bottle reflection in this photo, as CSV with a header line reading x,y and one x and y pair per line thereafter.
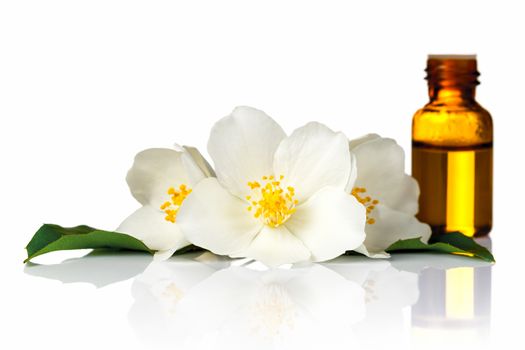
x,y
454,306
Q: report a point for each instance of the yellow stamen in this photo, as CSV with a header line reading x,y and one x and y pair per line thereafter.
x,y
171,208
271,203
254,185
367,201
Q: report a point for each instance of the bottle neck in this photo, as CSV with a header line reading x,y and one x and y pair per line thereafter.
x,y
451,95
452,79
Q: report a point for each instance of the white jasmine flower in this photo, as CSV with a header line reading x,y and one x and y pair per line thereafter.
x,y
161,180
277,199
389,195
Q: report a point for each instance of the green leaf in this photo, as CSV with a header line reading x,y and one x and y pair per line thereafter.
x,y
50,238
450,243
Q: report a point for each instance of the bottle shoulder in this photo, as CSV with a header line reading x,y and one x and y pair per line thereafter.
x,y
461,124
458,107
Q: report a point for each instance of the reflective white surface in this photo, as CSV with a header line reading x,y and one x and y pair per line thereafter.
x,y
86,85
202,301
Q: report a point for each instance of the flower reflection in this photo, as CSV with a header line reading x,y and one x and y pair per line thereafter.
x,y
205,301
350,301
389,292
160,288
240,307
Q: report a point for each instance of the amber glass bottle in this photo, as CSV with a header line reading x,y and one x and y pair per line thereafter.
x,y
452,150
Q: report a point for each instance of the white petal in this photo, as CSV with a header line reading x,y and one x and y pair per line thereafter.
x,y
154,171
329,223
353,174
379,159
242,146
313,157
391,226
365,138
377,255
148,225
214,219
403,196
276,246
199,161
381,170
162,255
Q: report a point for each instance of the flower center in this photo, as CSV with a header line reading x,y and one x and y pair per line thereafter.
x,y
367,201
177,197
270,201
171,296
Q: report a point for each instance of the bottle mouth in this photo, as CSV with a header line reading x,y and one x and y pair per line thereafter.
x,y
452,70
452,57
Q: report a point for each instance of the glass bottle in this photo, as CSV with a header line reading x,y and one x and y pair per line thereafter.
x,y
452,139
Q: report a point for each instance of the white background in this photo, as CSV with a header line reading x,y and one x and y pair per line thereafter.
x,y
84,85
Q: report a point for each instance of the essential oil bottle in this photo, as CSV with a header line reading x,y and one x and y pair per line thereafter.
x,y
452,140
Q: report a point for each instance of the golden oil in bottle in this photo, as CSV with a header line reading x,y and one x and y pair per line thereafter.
x,y
452,138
